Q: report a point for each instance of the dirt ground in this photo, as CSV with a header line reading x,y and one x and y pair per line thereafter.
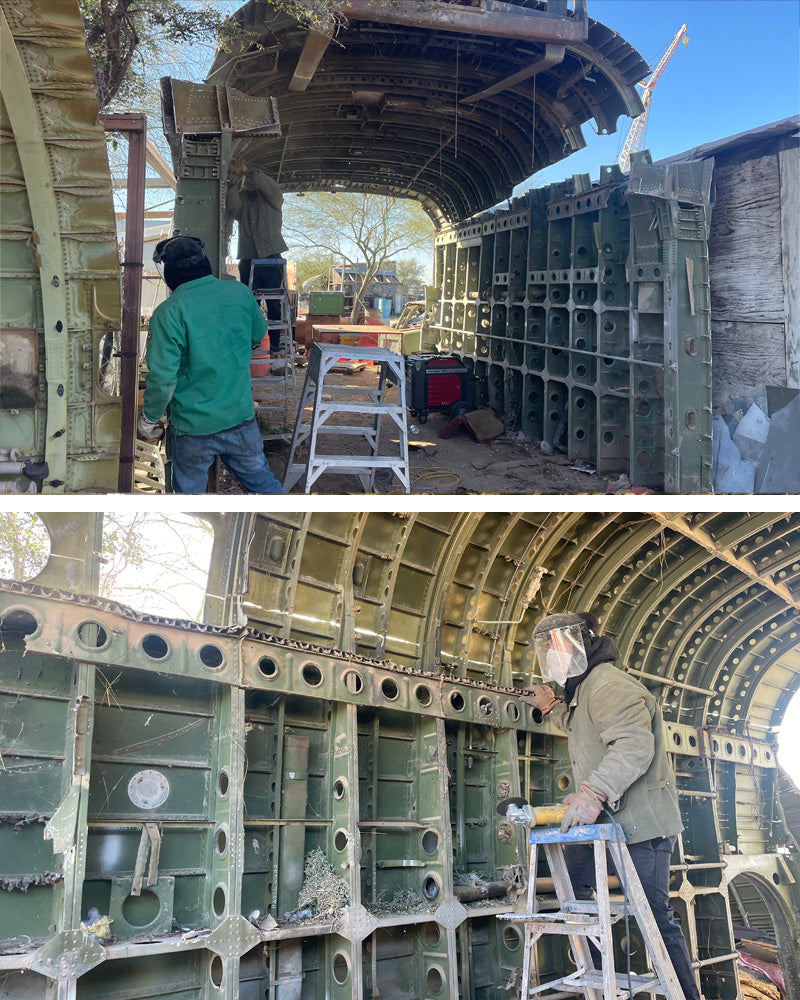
x,y
509,464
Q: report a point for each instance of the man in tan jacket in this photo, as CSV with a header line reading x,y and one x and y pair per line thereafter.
x,y
255,200
619,761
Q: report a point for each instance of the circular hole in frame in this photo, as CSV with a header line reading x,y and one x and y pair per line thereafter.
x,y
311,674
267,667
423,695
211,656
216,972
340,968
434,980
431,934
142,910
431,887
155,646
91,639
457,701
389,689
430,841
221,842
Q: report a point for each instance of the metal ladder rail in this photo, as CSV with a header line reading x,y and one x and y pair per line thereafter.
x,y
582,920
263,386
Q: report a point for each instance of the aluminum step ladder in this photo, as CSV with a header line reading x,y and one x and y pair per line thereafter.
x,y
276,394
323,397
585,920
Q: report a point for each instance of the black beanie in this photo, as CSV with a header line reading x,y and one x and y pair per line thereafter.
x,y
183,260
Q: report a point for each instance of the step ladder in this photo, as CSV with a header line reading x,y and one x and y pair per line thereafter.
x,y
585,920
271,393
323,397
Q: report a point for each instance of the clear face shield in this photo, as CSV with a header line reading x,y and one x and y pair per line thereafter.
x,y
561,654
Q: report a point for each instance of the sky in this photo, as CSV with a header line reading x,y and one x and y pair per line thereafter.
x,y
740,70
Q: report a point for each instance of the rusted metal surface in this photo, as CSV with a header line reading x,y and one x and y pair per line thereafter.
x,y
135,128
60,270
451,105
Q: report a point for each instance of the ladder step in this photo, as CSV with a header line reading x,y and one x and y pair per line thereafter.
x,y
593,979
590,906
360,408
558,917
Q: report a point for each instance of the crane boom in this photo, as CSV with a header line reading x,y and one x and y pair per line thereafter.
x,y
635,138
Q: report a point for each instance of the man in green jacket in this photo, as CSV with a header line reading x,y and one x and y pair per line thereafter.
x,y
619,761
198,359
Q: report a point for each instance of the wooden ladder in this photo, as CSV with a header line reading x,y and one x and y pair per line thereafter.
x,y
584,920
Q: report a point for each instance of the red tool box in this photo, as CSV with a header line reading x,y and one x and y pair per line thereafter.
x,y
440,382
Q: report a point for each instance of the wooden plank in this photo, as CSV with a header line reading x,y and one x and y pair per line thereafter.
x,y
789,163
745,242
747,357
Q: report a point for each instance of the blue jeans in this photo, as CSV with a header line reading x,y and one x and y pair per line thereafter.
x,y
240,448
651,859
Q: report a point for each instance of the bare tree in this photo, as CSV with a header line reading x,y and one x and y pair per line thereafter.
x,y
356,228
152,562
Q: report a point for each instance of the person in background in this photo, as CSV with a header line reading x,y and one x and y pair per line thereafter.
x,y
198,359
619,761
256,202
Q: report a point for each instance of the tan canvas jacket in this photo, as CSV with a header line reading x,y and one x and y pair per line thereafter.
x,y
616,746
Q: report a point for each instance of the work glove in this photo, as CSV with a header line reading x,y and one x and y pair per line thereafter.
x,y
148,429
542,699
583,808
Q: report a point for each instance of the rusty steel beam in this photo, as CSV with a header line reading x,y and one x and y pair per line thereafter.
x,y
135,128
491,17
314,49
553,55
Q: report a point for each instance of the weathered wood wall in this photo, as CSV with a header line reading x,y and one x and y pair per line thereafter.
x,y
753,264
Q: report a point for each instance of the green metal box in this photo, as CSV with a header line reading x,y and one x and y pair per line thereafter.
x,y
325,303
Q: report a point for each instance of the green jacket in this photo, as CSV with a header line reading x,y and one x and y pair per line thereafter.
x,y
198,356
616,745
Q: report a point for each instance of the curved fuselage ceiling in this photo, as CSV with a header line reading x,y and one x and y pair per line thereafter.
x,y
709,604
448,104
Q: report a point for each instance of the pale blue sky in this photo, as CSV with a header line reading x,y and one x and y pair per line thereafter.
x,y
740,70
